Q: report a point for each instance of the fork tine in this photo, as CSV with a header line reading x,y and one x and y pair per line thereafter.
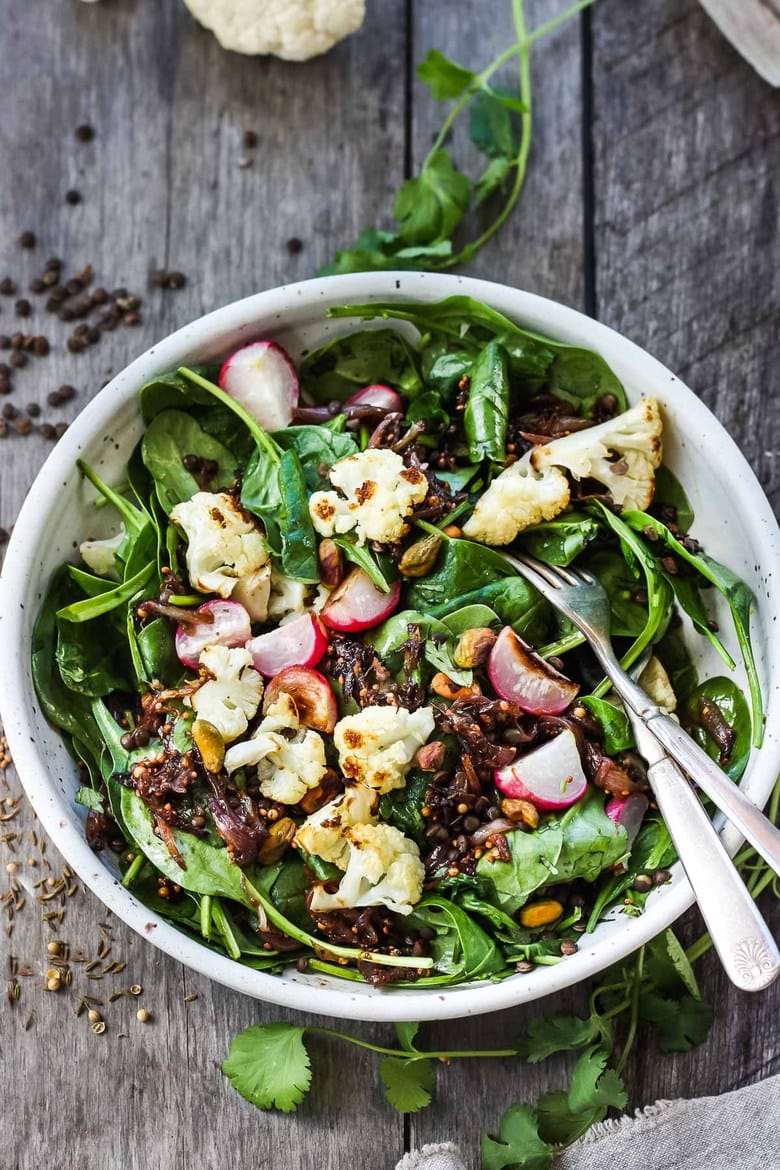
x,y
556,578
539,582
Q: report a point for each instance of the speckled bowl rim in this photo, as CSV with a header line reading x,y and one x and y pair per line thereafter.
x,y
225,327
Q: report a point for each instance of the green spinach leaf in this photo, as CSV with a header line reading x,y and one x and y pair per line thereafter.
x,y
731,704
342,366
487,406
170,436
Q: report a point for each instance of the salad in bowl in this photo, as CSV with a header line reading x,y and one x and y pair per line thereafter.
x,y
318,717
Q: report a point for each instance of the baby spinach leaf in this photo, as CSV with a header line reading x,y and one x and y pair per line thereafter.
x,y
738,595
462,568
430,205
92,656
444,368
731,704
470,617
615,728
402,807
158,652
428,409
689,600
92,607
533,864
515,601
487,407
342,366
560,541
170,436
669,490
460,948
261,494
318,449
175,391
366,560
392,634
299,544
592,842
582,377
629,616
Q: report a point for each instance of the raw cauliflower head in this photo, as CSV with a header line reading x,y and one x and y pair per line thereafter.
x,y
231,694
383,868
290,759
376,747
621,453
378,492
324,832
294,29
223,545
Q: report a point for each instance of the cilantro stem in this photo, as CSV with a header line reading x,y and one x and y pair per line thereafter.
x,y
133,870
404,1054
634,1019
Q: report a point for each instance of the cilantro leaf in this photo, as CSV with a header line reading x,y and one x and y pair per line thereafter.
x,y
593,1085
408,1083
518,1143
90,798
549,1034
491,180
668,967
406,1031
446,79
490,126
430,206
681,1023
269,1066
558,1122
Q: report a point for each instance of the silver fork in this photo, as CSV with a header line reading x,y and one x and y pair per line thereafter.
x,y
578,595
747,950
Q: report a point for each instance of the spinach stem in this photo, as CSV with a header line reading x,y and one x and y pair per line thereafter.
x,y
133,870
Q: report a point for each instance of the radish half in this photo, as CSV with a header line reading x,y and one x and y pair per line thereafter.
x,y
628,811
550,777
382,397
262,378
517,673
357,604
227,625
311,692
299,643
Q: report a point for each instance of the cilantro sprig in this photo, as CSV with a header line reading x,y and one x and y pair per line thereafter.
x,y
654,990
431,206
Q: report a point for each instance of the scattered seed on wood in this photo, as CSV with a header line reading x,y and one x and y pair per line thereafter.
x,y
28,239
136,989
190,998
7,286
84,132
143,1016
22,307
73,197
99,1027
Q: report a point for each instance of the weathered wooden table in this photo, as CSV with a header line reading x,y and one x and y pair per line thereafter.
x,y
651,202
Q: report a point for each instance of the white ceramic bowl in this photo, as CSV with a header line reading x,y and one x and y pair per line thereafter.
x,y
734,521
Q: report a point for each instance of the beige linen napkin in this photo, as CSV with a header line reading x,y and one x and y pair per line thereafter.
x,y
738,1131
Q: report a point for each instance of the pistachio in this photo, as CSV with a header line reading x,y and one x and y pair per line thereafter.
x,y
210,744
473,648
280,835
520,810
331,563
419,559
431,757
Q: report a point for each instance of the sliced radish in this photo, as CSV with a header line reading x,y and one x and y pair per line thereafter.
x,y
357,604
311,692
299,643
382,397
517,673
262,377
628,811
227,625
550,777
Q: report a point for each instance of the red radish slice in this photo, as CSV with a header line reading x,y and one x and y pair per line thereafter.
x,y
262,378
628,811
357,604
517,673
230,626
550,777
299,643
383,397
311,692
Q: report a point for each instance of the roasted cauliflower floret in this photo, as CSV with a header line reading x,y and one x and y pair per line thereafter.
x,y
223,545
383,868
323,833
621,453
376,747
231,694
655,682
290,759
295,30
378,492
100,555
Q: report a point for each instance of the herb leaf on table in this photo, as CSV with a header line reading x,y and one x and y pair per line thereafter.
x,y
269,1066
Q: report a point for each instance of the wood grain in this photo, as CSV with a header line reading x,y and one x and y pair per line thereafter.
x,y
685,238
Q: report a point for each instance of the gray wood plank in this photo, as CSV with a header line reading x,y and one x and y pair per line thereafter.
x,y
162,185
687,247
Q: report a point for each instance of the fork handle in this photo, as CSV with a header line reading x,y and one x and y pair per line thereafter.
x,y
739,934
731,800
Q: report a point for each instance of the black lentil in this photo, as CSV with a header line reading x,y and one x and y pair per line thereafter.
x,y
9,411
23,308
294,245
28,239
18,359
23,426
73,197
33,409
84,132
7,286
250,139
